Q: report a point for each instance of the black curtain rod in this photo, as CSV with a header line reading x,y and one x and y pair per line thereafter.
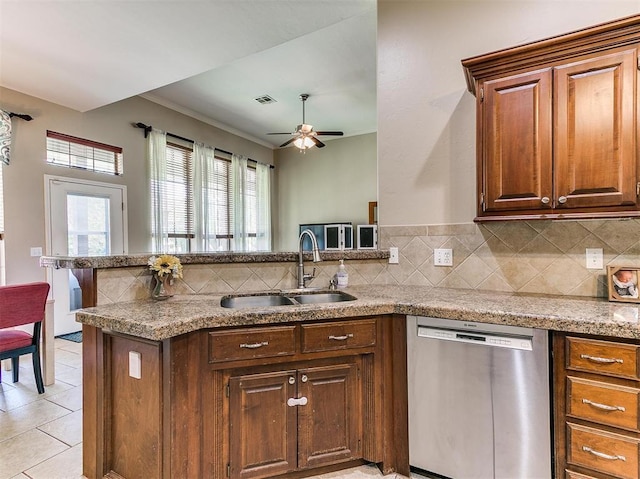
x,y
148,128
22,116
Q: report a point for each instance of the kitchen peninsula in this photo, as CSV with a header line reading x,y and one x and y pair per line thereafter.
x,y
201,400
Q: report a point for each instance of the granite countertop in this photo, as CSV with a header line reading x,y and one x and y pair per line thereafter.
x,y
126,260
182,314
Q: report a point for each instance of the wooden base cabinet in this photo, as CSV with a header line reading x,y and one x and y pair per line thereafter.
x,y
296,419
249,402
597,391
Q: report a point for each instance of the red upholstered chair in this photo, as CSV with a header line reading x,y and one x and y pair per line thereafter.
x,y
22,304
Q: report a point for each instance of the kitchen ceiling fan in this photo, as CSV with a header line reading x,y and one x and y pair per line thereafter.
x,y
304,137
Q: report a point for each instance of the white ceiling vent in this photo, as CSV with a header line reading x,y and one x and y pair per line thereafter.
x,y
265,100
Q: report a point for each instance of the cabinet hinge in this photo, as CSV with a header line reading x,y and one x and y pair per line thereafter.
x,y
226,390
482,201
228,470
638,188
481,94
638,62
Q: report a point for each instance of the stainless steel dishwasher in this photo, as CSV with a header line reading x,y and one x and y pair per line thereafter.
x,y
479,400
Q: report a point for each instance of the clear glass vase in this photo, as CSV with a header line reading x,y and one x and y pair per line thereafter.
x,y
161,286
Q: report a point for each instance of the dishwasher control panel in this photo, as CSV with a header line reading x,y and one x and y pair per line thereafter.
x,y
477,337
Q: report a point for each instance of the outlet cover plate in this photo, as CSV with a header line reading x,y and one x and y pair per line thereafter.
x,y
393,255
594,258
443,257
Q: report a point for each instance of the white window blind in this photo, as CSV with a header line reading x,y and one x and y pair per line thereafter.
x,y
74,152
177,195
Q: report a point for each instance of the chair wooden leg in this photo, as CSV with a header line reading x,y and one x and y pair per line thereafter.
x,y
37,371
15,368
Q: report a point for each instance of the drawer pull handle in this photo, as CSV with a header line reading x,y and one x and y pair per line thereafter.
x,y
254,345
341,338
602,455
596,359
292,402
603,406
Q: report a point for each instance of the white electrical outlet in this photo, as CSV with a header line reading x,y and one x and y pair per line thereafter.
x,y
393,255
443,257
594,258
135,364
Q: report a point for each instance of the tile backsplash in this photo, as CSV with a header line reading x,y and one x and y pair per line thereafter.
x,y
523,256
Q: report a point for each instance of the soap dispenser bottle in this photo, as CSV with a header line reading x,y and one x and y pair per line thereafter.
x,y
342,276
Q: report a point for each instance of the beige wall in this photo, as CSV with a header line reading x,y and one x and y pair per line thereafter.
x,y
426,117
112,124
335,183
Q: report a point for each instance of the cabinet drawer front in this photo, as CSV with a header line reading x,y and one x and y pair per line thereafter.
x,y
603,357
338,335
603,403
576,475
602,451
251,343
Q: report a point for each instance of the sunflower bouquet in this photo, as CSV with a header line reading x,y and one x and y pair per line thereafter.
x,y
165,264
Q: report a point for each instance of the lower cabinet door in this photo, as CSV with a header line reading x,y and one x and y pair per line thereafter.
x,y
329,424
262,427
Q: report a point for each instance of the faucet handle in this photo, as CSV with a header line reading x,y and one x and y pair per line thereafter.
x,y
332,284
308,277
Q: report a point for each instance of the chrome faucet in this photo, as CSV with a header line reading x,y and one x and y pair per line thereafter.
x,y
302,276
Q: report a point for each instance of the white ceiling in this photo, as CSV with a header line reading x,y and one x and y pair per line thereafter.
x,y
207,59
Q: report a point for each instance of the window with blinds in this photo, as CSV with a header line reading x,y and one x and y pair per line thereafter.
x,y
177,194
74,152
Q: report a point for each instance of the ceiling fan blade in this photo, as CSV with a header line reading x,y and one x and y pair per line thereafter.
x,y
333,133
287,142
287,133
318,143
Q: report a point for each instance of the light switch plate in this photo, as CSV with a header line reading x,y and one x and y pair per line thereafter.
x,y
36,251
594,258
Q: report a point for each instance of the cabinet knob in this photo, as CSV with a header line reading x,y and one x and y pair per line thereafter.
x,y
545,200
304,378
292,380
562,200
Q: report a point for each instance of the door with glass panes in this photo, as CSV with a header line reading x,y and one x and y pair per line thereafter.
x,y
84,218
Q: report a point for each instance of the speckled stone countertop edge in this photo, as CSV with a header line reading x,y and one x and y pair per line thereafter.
x,y
128,260
180,315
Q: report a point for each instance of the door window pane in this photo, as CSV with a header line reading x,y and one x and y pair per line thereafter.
x,y
88,225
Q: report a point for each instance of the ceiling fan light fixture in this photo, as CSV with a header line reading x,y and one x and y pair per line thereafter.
x,y
303,143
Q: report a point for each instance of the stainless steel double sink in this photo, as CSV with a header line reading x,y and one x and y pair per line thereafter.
x,y
290,298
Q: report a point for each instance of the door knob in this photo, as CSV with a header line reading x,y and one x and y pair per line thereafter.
x,y
545,200
562,200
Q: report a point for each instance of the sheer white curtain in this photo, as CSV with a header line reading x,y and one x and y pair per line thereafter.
x,y
204,197
157,158
238,191
263,207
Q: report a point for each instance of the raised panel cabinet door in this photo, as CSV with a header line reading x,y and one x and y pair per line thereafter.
x,y
595,133
517,142
262,427
329,424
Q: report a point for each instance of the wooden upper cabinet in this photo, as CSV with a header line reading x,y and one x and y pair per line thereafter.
x,y
517,142
557,125
595,158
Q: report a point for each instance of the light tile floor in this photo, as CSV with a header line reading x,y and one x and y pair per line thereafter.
x,y
41,435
